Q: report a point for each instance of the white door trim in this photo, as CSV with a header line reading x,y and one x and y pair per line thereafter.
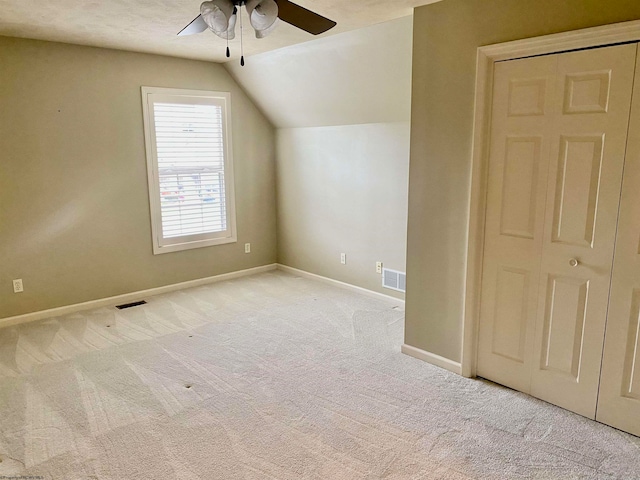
x,y
487,56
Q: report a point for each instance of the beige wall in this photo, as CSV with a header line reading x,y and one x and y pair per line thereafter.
x,y
343,189
343,107
446,36
74,208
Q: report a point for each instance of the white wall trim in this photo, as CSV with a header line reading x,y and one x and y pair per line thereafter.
x,y
337,283
432,358
565,41
487,56
130,297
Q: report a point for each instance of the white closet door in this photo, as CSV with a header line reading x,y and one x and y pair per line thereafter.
x,y
521,132
557,148
619,400
593,98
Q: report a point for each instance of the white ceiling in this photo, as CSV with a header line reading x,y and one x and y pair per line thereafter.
x,y
151,25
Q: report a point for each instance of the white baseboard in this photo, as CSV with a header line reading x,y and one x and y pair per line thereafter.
x,y
432,358
336,283
130,297
135,296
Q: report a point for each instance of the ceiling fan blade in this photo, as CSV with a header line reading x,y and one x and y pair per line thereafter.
x,y
302,18
198,25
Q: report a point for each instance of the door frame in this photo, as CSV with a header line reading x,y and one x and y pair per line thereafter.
x,y
606,35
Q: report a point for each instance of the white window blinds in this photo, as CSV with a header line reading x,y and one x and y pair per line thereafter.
x,y
191,169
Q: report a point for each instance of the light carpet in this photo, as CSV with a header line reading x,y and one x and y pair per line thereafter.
x,y
271,377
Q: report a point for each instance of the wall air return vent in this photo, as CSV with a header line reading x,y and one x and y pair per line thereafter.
x,y
394,280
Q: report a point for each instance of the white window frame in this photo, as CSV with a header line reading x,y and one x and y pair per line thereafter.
x,y
174,244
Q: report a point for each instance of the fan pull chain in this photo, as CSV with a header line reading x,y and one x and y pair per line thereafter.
x,y
235,11
241,38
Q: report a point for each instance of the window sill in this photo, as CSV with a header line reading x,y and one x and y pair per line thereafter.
x,y
177,247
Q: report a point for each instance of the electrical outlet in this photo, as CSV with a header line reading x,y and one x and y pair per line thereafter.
x,y
378,267
343,258
17,286
247,248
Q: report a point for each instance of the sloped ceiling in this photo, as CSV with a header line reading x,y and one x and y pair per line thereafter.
x,y
151,25
362,76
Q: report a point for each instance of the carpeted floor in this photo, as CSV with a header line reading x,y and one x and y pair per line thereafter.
x,y
271,377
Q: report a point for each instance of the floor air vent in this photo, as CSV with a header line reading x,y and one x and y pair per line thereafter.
x,y
129,305
394,280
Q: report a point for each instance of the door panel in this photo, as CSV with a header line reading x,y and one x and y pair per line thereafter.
x,y
587,92
527,96
564,325
619,398
577,187
521,128
587,156
520,186
631,377
510,327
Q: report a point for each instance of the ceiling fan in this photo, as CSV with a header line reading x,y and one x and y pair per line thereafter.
x,y
220,17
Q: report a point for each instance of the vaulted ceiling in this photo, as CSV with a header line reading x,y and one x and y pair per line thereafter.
x,y
357,77
151,25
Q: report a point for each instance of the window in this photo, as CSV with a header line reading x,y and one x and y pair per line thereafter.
x,y
190,168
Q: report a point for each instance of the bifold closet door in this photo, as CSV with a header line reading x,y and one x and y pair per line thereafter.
x,y
594,90
619,399
521,133
557,151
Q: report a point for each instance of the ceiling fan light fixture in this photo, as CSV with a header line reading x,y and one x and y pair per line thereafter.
x,y
217,15
220,17
267,31
263,15
231,31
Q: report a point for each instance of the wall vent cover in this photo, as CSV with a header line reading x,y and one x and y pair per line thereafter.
x,y
394,280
